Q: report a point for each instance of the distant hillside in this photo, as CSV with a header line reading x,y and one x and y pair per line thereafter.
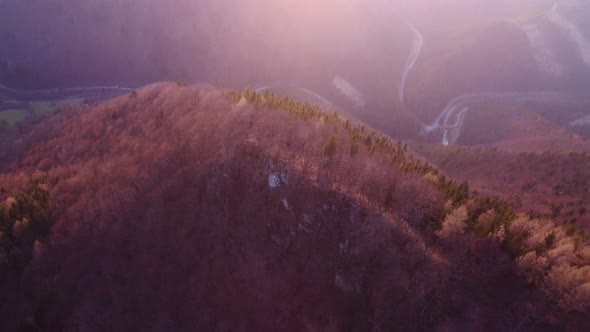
x,y
553,182
184,208
494,58
234,43
546,52
526,127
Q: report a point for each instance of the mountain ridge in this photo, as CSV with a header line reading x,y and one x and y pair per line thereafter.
x,y
317,221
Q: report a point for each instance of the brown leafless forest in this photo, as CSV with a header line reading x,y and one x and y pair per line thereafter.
x,y
182,208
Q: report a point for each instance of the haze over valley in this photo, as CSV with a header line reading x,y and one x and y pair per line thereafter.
x,y
258,165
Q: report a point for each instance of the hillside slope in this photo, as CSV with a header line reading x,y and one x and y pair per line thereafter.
x,y
184,208
545,52
550,182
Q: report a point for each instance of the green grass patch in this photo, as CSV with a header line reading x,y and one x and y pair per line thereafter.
x,y
50,107
13,116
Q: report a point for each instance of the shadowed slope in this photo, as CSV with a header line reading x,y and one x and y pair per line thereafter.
x,y
182,208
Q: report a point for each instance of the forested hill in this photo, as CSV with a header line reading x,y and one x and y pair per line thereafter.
x,y
183,208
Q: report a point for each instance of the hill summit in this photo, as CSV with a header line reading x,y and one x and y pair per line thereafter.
x,y
184,208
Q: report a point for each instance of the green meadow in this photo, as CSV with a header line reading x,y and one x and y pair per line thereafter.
x,y
49,107
13,116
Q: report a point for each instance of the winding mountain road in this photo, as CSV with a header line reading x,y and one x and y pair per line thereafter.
x,y
11,98
575,34
417,43
67,92
453,114
458,107
543,52
347,90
